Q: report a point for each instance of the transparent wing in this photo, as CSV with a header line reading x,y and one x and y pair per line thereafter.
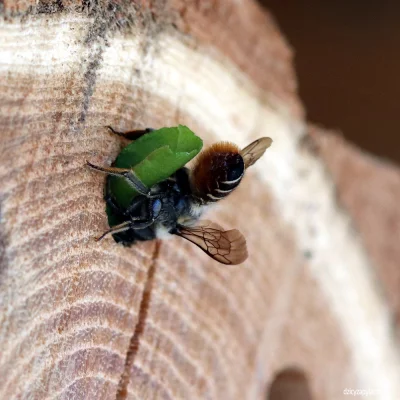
x,y
255,150
226,247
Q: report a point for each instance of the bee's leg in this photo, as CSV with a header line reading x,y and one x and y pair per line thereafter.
x,y
136,203
110,201
131,135
116,208
115,229
128,174
141,222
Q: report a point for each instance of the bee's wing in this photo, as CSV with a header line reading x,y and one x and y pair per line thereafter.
x,y
255,150
227,247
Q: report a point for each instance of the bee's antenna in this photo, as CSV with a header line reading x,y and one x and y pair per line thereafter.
x,y
115,229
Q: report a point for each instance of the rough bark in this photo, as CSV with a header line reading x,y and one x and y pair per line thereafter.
x,y
79,319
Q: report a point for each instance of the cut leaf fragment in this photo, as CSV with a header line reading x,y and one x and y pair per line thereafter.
x,y
154,157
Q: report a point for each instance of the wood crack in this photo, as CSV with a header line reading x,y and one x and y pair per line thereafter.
x,y
134,344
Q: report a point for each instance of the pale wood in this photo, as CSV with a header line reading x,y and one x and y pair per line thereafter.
x,y
80,319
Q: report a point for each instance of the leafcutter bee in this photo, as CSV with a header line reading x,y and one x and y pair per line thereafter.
x,y
150,193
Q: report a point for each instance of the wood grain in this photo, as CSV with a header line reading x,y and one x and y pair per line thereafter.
x,y
85,320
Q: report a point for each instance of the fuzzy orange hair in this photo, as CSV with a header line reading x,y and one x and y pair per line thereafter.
x,y
208,163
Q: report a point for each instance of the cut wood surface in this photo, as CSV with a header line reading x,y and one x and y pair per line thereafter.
x,y
160,320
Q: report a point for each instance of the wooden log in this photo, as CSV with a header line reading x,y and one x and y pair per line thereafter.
x,y
160,320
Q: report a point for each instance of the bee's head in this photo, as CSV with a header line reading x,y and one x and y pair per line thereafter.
x,y
218,170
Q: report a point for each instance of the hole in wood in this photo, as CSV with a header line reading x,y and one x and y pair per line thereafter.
x,y
289,384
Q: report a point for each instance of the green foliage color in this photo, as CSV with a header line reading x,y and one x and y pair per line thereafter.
x,y
154,157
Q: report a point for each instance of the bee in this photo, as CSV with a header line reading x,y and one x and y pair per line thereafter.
x,y
175,205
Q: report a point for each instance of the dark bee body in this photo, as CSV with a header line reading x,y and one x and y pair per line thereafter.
x,y
218,171
227,177
175,205
172,201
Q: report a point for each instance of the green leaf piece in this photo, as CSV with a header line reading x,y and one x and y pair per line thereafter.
x,y
154,157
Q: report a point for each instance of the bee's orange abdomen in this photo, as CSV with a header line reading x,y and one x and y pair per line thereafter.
x,y
217,172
